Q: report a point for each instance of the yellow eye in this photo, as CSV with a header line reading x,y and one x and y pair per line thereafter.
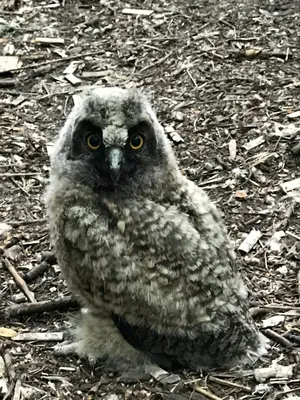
x,y
136,142
93,142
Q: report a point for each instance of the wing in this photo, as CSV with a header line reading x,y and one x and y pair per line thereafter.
x,y
229,344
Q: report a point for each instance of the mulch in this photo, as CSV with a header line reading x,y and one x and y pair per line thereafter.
x,y
224,79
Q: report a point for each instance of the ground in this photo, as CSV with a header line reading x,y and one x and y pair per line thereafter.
x,y
221,73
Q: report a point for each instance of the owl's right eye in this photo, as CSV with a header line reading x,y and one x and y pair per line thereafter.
x,y
93,141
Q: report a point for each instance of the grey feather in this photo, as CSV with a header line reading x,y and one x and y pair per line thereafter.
x,y
146,251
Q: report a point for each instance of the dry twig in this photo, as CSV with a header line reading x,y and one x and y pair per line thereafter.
x,y
19,281
246,389
205,393
278,338
16,224
42,306
56,61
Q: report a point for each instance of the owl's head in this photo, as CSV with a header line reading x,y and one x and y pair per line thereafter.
x,y
111,138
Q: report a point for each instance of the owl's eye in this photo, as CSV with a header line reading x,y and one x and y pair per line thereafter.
x,y
93,141
136,142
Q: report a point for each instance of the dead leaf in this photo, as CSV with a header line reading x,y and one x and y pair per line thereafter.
x,y
7,332
241,194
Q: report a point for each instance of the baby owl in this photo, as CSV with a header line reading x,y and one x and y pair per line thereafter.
x,y
143,247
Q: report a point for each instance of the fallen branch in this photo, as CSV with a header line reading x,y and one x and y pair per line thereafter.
x,y
19,281
42,306
15,224
4,83
278,338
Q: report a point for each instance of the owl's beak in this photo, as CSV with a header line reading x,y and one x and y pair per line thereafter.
x,y
114,159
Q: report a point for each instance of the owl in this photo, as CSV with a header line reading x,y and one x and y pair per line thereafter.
x,y
143,248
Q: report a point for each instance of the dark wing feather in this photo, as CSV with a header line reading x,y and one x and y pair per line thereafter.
x,y
207,350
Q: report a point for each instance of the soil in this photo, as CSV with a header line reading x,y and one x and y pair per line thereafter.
x,y
220,74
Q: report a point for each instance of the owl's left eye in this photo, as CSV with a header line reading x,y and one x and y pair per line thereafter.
x,y
93,141
136,142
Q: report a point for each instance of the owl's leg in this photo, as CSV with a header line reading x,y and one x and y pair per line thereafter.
x,y
96,337
66,348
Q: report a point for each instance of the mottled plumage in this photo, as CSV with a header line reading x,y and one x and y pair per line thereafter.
x,y
143,247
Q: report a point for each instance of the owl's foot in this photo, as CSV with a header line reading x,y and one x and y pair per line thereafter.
x,y
145,373
71,348
66,348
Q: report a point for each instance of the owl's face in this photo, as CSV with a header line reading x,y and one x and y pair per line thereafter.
x,y
111,138
113,154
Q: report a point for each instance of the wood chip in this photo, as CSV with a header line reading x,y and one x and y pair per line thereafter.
x,y
173,134
18,100
41,40
290,185
250,241
240,194
71,68
275,371
134,11
274,242
39,336
4,230
73,80
254,143
293,115
253,52
273,321
232,149
9,49
8,63
95,74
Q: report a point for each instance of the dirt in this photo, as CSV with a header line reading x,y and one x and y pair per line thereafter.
x,y
221,74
